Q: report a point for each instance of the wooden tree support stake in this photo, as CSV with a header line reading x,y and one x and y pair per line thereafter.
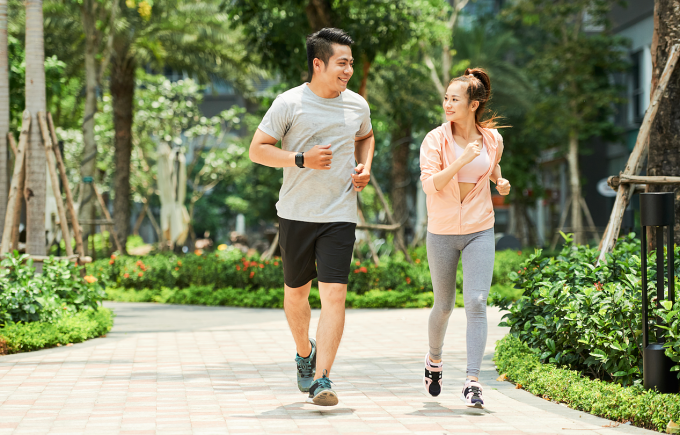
x,y
634,165
374,254
20,195
77,233
108,216
398,240
14,186
47,141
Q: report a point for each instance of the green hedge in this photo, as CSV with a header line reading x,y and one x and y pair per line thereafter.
x,y
634,404
404,283
264,298
85,324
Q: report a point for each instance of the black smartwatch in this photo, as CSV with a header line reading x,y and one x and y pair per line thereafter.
x,y
300,160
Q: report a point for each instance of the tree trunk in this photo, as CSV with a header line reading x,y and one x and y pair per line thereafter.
x,y
319,14
89,157
4,114
122,92
36,170
664,152
401,141
575,188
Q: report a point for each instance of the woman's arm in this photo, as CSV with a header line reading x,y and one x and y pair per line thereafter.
x,y
444,177
502,185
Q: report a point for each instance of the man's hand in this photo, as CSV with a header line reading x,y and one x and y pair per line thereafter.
x,y
361,178
319,157
503,186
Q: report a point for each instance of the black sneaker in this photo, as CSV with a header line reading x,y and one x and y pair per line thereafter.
x,y
472,394
321,393
306,369
433,377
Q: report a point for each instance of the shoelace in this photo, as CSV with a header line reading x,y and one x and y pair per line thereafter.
x,y
304,366
324,382
435,376
476,392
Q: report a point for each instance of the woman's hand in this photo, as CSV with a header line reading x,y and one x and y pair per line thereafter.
x,y
503,186
472,150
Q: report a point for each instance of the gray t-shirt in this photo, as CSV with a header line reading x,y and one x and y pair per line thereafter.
x,y
301,119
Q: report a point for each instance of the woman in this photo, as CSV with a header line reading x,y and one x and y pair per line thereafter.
x,y
457,159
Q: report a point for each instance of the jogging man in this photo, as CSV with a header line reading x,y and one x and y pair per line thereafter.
x,y
326,152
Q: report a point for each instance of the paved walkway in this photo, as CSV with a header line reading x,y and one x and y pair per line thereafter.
x,y
167,369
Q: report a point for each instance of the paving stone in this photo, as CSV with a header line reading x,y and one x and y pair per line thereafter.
x,y
168,369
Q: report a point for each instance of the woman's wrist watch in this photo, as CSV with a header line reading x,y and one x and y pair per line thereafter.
x,y
300,160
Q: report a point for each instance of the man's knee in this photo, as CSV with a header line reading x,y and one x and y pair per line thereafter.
x,y
333,294
296,294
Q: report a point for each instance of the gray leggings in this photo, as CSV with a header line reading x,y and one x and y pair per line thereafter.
x,y
443,252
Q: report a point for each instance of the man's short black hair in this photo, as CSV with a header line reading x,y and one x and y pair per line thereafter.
x,y
320,45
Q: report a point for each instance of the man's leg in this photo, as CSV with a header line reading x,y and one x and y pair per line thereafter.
x,y
331,325
298,314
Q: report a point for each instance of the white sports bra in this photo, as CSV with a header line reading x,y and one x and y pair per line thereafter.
x,y
473,171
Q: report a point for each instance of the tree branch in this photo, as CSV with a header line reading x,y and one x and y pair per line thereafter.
x,y
433,75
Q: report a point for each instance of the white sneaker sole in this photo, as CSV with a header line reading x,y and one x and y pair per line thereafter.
x,y
471,405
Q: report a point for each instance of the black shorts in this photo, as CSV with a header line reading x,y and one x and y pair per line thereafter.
x,y
310,246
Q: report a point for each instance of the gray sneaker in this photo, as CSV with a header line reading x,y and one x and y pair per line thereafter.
x,y
306,368
321,392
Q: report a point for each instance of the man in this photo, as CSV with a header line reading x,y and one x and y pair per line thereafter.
x,y
323,128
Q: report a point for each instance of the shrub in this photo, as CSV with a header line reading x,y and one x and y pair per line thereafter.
x,y
59,289
644,408
582,316
23,337
264,298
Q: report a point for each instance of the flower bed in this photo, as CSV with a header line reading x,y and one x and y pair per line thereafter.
x,y
395,282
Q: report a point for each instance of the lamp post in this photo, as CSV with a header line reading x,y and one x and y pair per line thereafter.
x,y
657,210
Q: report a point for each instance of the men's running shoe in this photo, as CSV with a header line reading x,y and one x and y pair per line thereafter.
x,y
433,377
306,369
321,393
472,394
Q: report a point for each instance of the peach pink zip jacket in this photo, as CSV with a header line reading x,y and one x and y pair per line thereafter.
x,y
446,214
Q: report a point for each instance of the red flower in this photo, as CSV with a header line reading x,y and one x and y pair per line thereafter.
x,y
519,252
140,274
176,268
179,263
252,274
276,263
253,263
357,262
139,263
113,257
127,275
261,266
356,270
408,280
111,262
238,267
363,269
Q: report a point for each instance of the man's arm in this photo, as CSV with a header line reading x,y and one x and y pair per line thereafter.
x,y
364,148
263,150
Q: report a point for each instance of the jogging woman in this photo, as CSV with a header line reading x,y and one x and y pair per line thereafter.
x,y
457,159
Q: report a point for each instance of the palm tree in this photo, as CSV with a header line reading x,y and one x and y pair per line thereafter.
x,y
184,35
4,112
35,102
